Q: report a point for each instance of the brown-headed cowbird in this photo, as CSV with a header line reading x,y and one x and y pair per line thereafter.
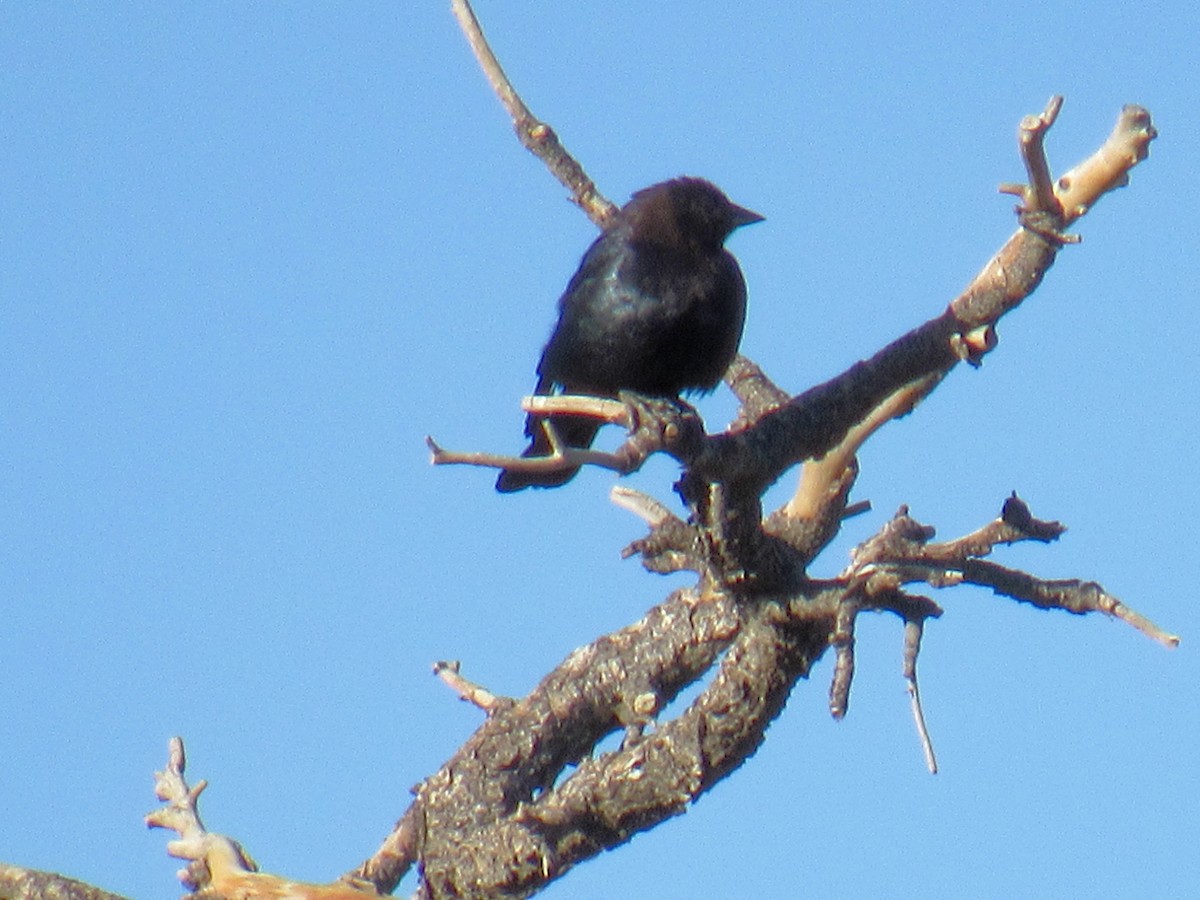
x,y
656,308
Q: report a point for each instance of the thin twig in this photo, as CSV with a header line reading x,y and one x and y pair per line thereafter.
x,y
1072,595
468,690
538,137
564,458
913,629
1032,138
645,507
610,412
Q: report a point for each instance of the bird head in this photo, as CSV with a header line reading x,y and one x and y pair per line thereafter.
x,y
686,211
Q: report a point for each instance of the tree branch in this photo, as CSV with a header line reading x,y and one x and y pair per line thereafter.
x,y
218,867
17,883
535,135
528,795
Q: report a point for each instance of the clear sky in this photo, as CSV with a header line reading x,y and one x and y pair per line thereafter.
x,y
251,254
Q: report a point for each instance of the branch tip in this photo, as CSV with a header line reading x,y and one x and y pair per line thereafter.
x,y
645,507
468,691
535,135
913,628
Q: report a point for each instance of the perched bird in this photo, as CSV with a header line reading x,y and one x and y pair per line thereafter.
x,y
656,308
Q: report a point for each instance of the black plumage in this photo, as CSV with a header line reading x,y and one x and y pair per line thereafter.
x,y
656,307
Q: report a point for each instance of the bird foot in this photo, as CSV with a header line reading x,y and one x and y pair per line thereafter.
x,y
660,423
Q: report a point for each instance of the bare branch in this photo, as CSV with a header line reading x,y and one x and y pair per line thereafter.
x,y
468,691
214,860
901,553
564,457
842,642
913,628
1072,595
1032,137
535,135
481,797
611,412
813,423
654,423
1108,168
217,865
17,883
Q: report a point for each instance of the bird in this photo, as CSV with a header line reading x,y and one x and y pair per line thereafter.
x,y
656,307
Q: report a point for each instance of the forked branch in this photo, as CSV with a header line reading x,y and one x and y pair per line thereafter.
x,y
528,795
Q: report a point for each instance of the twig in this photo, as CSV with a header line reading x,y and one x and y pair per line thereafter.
x,y
1032,138
467,690
564,457
218,865
842,641
901,553
1074,596
611,412
913,628
535,135
213,859
645,507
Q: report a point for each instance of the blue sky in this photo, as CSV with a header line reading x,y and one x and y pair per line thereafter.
x,y
251,255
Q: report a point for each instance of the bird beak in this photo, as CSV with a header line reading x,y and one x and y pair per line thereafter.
x,y
742,216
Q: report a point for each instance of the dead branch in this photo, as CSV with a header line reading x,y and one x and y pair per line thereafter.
x,y
1071,595
17,883
654,424
218,867
816,422
901,554
535,135
500,787
468,691
512,784
913,629
528,796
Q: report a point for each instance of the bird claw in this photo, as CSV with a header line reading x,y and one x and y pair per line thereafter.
x,y
660,423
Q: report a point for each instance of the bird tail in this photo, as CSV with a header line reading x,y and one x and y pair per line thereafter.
x,y
573,431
